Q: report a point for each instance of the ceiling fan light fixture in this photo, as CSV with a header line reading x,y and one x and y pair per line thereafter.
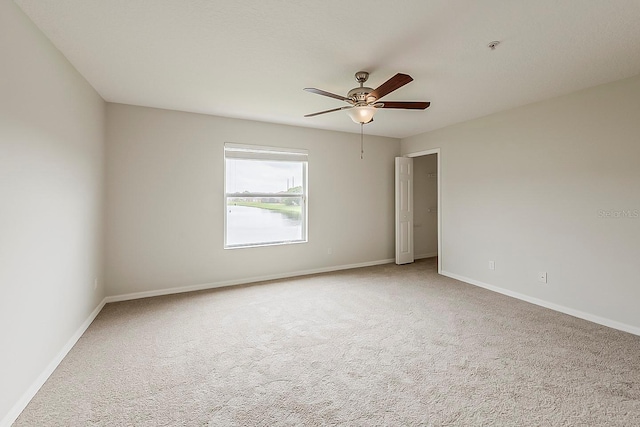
x,y
362,114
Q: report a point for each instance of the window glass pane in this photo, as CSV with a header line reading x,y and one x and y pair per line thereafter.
x,y
252,220
260,176
264,201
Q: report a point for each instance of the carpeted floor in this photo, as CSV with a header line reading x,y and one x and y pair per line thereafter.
x,y
386,345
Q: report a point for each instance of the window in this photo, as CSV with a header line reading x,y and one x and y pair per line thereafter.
x,y
265,195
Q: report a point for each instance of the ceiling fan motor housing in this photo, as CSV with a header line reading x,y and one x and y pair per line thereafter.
x,y
359,94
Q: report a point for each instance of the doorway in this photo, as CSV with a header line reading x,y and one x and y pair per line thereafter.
x,y
424,199
425,206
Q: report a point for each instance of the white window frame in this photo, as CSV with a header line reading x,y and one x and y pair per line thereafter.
x,y
259,152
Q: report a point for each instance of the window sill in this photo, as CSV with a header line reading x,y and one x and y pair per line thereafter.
x,y
262,245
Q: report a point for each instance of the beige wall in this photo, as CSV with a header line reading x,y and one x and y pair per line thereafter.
x,y
425,202
51,204
165,200
527,188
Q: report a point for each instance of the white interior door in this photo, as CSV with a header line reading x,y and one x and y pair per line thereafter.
x,y
404,210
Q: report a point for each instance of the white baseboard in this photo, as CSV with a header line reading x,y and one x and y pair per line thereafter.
x,y
22,403
429,255
222,284
557,307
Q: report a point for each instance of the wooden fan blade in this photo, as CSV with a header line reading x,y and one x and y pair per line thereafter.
x,y
328,111
406,105
390,85
325,93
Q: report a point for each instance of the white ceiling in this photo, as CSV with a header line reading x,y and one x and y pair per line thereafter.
x,y
252,58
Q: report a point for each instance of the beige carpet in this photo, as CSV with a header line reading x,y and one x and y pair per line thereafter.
x,y
384,345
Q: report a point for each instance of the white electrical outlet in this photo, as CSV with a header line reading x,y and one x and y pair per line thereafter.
x,y
542,277
492,265
329,251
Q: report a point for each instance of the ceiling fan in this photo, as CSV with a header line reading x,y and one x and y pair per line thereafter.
x,y
364,100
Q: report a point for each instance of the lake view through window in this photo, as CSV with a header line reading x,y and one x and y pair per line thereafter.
x,y
265,200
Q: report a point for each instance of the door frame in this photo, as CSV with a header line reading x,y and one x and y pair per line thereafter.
x,y
439,175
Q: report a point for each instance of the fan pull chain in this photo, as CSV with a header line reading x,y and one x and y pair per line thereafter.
x,y
361,141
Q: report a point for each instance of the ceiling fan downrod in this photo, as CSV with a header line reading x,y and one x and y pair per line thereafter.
x,y
360,95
